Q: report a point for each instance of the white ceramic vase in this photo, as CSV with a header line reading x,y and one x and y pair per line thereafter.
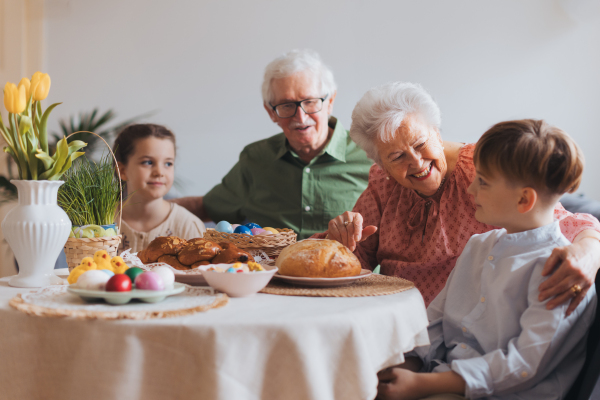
x,y
36,230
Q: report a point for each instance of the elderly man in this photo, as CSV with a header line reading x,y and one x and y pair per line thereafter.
x,y
298,179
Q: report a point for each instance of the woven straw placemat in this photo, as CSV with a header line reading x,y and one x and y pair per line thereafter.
x,y
372,285
119,312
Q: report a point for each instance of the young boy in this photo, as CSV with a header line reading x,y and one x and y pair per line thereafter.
x,y
490,335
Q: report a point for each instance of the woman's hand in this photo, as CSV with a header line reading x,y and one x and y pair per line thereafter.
x,y
570,266
348,230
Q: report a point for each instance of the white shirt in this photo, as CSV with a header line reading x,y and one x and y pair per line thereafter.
x,y
488,326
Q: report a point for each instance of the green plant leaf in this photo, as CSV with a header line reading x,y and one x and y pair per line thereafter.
x,y
20,154
76,155
62,152
14,156
90,194
31,149
76,145
24,125
6,135
38,105
43,127
45,159
2,127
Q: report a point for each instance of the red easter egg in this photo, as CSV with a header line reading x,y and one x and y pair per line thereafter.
x,y
119,283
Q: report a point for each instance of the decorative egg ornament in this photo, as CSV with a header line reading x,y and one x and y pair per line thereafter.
x,y
224,227
166,274
133,272
119,283
149,281
243,229
252,225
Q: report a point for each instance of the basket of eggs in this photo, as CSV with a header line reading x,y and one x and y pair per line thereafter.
x,y
252,237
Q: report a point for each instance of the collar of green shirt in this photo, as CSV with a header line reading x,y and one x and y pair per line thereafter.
x,y
336,147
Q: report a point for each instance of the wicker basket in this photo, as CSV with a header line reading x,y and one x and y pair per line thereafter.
x,y
78,248
270,244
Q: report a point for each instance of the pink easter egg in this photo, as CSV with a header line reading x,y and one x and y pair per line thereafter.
x,y
149,281
257,231
233,226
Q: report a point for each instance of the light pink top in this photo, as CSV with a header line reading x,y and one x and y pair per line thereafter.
x,y
419,239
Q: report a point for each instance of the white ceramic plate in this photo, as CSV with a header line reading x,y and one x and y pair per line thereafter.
x,y
148,296
322,282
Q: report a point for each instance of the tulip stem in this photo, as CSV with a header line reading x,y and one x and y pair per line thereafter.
x,y
35,130
21,154
23,148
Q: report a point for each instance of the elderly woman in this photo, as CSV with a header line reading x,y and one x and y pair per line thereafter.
x,y
416,216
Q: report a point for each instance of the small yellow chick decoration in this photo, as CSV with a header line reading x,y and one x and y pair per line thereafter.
x,y
119,266
87,264
102,260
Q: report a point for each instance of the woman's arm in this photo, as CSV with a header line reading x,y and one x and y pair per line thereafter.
x,y
572,265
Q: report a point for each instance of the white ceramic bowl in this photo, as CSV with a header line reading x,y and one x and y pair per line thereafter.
x,y
240,284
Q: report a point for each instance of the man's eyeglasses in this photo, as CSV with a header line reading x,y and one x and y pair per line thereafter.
x,y
309,106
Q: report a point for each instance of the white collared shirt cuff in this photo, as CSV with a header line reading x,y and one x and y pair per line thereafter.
x,y
477,375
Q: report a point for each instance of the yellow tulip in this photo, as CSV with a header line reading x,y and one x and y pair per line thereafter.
x,y
25,82
35,80
40,86
15,99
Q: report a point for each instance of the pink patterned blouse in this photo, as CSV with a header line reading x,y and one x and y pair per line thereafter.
x,y
419,239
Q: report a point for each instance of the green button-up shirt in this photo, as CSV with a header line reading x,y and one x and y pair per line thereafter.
x,y
271,186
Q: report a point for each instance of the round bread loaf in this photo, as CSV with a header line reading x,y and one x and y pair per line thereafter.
x,y
318,258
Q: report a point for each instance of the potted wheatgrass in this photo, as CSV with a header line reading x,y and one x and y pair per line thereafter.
x,y
91,197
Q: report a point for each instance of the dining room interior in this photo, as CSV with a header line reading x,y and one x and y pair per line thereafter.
x,y
196,67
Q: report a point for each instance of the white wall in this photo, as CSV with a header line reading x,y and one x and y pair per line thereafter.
x,y
200,63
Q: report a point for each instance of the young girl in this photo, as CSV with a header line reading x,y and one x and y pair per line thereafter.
x,y
145,155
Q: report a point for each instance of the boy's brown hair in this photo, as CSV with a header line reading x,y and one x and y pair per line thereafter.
x,y
533,153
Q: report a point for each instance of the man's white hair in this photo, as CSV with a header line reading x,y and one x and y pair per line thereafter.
x,y
295,61
381,111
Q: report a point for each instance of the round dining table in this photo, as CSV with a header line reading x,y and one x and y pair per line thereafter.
x,y
259,347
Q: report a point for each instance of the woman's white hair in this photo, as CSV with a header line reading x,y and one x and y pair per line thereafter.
x,y
295,61
381,111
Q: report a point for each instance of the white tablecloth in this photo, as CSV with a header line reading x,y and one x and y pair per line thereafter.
x,y
261,347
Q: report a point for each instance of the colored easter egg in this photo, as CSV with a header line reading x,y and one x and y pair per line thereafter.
x,y
234,226
257,231
93,280
118,283
166,274
243,229
272,230
252,225
149,281
133,272
231,270
224,226
107,272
